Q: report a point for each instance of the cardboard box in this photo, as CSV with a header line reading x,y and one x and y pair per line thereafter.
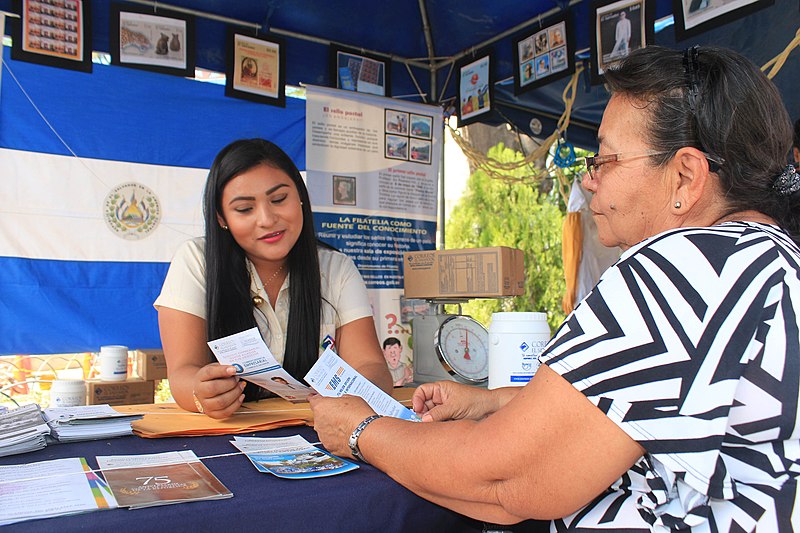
x,y
464,273
132,391
151,365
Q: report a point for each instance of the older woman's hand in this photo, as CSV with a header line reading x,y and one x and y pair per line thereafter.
x,y
448,400
336,418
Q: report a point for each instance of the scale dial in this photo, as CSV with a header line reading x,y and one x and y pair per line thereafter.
x,y
462,345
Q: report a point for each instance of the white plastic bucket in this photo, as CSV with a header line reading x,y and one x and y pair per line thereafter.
x,y
67,393
113,363
515,342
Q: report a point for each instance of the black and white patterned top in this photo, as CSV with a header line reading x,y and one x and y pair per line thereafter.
x,y
690,344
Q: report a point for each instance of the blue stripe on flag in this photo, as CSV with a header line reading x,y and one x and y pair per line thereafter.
x,y
74,306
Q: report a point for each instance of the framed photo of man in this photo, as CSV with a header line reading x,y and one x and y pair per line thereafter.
x,y
55,34
544,53
693,17
618,28
475,87
256,68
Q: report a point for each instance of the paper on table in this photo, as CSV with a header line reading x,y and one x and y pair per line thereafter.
x,y
50,488
332,376
291,457
248,353
160,478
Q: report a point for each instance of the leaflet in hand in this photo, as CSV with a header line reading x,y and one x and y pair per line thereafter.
x,y
248,353
291,457
332,376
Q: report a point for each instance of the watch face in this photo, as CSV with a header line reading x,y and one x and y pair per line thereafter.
x,y
463,348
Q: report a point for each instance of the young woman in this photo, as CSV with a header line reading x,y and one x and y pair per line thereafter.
x,y
260,264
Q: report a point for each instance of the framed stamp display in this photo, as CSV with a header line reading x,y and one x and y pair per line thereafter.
x,y
152,39
360,72
544,53
57,34
693,17
475,93
256,68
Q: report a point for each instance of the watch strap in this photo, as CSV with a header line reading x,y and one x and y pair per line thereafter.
x,y
353,440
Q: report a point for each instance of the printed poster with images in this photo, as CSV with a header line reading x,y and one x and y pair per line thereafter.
x,y
256,66
372,169
152,40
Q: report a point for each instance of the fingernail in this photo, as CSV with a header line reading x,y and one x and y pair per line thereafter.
x,y
242,385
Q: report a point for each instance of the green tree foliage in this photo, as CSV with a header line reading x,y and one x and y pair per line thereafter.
x,y
511,213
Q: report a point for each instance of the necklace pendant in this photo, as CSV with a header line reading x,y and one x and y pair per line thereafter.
x,y
258,300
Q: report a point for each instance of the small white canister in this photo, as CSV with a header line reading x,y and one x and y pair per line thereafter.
x,y
67,393
515,342
113,363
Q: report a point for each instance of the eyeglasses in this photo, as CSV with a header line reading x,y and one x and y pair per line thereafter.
x,y
594,162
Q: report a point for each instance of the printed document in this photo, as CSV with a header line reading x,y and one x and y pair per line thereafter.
x,y
291,457
248,353
332,376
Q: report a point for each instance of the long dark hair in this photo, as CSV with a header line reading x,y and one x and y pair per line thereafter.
x,y
229,305
735,113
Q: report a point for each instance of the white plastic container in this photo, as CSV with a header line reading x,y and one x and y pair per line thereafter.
x,y
515,342
67,393
113,363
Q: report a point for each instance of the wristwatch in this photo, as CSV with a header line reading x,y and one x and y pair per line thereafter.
x,y
353,441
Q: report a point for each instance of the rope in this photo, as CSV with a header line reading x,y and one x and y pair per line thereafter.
x,y
778,61
506,170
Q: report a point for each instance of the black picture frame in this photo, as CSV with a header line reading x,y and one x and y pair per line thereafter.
x,y
353,70
475,87
605,17
255,68
544,53
693,18
53,35
153,39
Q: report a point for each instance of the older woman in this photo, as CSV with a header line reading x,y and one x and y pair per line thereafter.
x,y
668,398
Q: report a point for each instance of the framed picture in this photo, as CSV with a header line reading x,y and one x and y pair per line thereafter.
x,y
396,122
256,68
544,53
693,17
421,126
152,39
360,72
419,150
475,92
619,27
396,147
57,34
344,190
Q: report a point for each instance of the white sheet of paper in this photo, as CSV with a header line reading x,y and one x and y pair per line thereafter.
x,y
49,488
255,363
332,376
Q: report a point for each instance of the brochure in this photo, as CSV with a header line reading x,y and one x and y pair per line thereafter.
x,y
51,488
139,481
87,422
291,457
332,376
23,430
253,361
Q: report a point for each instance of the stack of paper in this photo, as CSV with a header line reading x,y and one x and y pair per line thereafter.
x,y
51,488
291,457
22,430
89,422
140,481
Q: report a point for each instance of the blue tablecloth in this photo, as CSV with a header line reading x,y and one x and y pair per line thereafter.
x,y
364,500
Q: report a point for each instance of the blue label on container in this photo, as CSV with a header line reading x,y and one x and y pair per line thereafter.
x,y
520,379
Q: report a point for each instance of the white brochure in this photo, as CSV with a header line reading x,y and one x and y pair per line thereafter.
x,y
332,376
248,353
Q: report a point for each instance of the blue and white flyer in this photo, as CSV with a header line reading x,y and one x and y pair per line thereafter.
x,y
331,376
247,352
291,457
